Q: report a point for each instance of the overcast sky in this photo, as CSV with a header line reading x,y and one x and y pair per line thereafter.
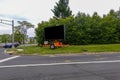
x,y
35,11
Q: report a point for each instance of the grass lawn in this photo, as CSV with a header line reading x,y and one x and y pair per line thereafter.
x,y
68,49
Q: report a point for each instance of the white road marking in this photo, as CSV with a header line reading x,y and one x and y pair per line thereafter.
x,y
56,64
7,59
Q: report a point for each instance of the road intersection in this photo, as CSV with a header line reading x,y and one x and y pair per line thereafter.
x,y
70,67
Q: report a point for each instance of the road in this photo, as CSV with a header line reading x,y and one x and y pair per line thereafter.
x,y
75,67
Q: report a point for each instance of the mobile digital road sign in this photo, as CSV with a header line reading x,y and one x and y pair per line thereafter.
x,y
55,32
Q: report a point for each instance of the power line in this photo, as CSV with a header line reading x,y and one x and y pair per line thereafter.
x,y
11,23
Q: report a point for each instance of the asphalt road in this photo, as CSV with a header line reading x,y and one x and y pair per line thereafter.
x,y
75,67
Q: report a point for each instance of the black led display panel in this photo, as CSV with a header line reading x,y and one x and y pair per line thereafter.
x,y
54,32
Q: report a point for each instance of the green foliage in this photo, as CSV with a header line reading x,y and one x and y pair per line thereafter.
x,y
18,36
5,38
62,9
25,23
86,29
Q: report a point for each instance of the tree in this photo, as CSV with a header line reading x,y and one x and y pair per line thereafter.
x,y
5,38
21,30
86,29
18,36
95,29
25,23
62,9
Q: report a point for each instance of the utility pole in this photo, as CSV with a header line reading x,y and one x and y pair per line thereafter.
x,y
11,23
12,33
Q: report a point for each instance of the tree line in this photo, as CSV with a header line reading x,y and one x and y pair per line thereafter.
x,y
82,28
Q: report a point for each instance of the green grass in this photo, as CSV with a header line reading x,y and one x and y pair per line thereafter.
x,y
69,49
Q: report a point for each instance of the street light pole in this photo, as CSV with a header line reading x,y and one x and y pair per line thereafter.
x,y
11,23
